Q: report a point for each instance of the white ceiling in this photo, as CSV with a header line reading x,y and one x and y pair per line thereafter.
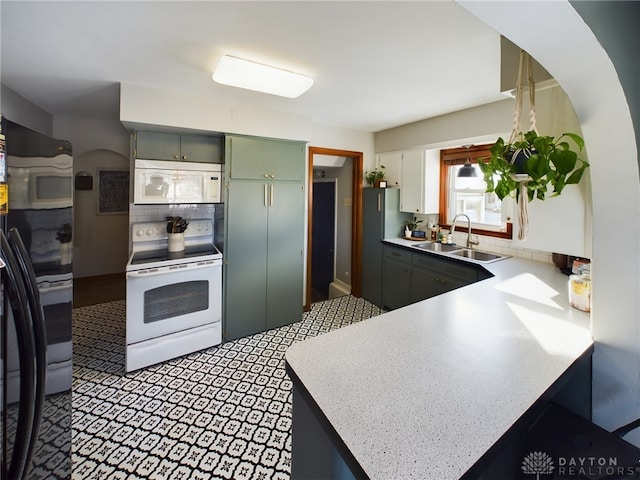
x,y
376,65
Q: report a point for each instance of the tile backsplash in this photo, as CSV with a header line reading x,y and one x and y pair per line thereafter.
x,y
504,247
494,244
155,213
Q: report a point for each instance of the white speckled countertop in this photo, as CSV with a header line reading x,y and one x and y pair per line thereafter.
x,y
424,391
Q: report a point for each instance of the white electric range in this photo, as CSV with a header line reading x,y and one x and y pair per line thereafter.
x,y
174,299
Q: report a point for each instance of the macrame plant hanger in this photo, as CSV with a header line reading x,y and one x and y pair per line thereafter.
x,y
522,201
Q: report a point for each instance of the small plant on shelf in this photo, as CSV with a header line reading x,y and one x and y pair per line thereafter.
x,y
374,177
177,224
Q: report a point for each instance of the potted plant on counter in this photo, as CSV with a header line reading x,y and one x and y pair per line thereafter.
x,y
176,227
412,227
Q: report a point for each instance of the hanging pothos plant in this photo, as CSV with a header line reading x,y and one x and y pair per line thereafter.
x,y
544,164
530,165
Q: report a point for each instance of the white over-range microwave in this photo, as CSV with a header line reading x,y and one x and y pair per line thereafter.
x,y
165,182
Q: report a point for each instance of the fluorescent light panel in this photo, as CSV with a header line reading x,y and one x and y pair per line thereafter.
x,y
236,72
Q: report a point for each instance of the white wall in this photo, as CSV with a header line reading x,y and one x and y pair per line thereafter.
x,y
142,107
100,241
21,111
570,51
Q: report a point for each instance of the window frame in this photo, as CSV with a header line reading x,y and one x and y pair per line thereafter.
x,y
450,157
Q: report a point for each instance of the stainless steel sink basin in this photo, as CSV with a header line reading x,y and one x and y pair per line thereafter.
x,y
438,247
478,255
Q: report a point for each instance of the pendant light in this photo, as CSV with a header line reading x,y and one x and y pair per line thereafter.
x,y
467,170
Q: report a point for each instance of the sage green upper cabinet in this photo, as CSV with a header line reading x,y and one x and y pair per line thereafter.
x,y
254,158
201,148
178,148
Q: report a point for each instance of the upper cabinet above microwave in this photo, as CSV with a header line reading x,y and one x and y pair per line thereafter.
x,y
175,147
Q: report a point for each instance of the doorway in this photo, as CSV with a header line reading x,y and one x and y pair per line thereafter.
x,y
324,238
355,204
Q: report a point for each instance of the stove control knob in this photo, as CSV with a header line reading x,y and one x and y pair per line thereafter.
x,y
140,233
149,232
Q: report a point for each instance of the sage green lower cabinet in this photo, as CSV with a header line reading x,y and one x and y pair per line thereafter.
x,y
411,277
427,283
396,278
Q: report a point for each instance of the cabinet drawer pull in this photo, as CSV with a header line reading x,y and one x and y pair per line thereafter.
x,y
176,157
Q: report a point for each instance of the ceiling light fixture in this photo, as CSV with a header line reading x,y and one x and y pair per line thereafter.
x,y
467,170
236,72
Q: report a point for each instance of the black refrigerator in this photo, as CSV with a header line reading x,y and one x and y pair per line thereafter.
x,y
36,215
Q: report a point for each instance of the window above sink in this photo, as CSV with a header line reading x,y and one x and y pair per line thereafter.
x,y
489,216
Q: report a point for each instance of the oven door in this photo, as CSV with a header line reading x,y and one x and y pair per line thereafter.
x,y
167,300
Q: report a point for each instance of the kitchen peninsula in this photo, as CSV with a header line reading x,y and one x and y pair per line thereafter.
x,y
425,391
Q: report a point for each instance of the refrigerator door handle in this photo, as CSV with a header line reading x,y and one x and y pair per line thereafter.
x,y
39,331
26,352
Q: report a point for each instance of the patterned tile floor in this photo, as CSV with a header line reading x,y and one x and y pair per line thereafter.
x,y
220,413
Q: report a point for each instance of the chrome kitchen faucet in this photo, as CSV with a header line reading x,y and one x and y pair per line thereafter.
x,y
470,243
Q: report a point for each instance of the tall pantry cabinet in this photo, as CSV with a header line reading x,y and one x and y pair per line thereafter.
x,y
382,219
264,234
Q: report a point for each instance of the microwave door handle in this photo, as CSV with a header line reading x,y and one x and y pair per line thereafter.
x,y
38,326
16,294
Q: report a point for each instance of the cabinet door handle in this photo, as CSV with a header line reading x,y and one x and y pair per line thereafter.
x,y
265,194
379,202
184,157
176,157
271,196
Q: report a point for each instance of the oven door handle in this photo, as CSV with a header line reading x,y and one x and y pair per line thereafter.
x,y
152,272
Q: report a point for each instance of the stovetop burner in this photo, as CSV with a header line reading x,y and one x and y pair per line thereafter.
x,y
150,245
191,252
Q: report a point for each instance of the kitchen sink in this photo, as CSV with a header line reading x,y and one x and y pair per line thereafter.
x,y
478,255
438,247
